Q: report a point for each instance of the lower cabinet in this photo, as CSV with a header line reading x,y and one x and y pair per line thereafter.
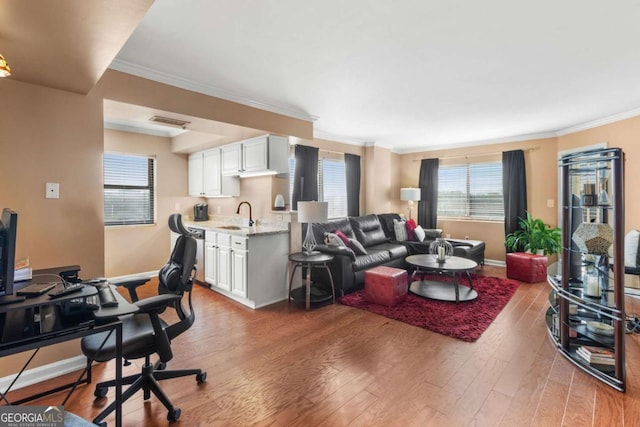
x,y
249,269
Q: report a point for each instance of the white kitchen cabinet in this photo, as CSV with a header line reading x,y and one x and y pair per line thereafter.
x,y
205,177
231,159
211,259
263,154
224,262
196,173
249,269
239,266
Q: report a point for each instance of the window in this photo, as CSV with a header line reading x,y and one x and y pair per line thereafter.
x,y
332,185
471,191
129,189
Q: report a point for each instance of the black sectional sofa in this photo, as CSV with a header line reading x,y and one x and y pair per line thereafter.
x,y
376,234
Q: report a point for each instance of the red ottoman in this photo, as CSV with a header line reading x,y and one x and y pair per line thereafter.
x,y
385,285
527,267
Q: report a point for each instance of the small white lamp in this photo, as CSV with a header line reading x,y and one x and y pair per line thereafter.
x,y
410,195
310,212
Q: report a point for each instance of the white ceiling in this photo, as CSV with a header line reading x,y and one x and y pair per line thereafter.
x,y
405,74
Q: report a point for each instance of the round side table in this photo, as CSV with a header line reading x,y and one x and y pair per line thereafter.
x,y
313,260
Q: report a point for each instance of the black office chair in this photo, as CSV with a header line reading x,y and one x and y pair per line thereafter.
x,y
145,333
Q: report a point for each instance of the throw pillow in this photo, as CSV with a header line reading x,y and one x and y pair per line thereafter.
x,y
357,247
631,248
344,238
411,226
330,239
400,230
420,234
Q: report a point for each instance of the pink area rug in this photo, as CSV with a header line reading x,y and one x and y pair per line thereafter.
x,y
463,320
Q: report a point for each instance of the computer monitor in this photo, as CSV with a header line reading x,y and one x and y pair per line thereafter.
x,y
8,233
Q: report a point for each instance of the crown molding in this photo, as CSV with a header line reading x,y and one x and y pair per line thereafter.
x,y
599,122
502,140
206,89
317,133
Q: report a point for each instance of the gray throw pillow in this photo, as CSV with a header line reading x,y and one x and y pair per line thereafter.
x,y
401,230
357,247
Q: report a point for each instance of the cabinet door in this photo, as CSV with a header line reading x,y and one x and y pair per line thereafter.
x,y
210,270
224,268
211,174
255,156
231,158
196,170
239,273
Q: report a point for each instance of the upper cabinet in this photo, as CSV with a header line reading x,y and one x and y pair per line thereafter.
x,y
268,154
205,177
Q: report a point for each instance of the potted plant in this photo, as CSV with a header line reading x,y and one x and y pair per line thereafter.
x,y
534,236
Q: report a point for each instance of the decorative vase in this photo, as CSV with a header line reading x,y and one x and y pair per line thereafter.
x,y
441,249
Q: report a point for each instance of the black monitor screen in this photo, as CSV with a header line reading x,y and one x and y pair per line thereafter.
x,y
8,231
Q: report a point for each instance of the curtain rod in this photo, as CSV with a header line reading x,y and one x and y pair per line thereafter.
x,y
467,156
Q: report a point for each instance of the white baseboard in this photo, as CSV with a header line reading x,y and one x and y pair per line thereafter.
x,y
495,262
43,373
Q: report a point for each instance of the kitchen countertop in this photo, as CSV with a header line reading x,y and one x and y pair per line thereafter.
x,y
213,225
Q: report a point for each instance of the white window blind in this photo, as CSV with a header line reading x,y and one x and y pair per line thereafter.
x,y
129,189
471,191
332,185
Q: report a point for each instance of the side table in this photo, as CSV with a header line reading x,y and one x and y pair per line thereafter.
x,y
313,260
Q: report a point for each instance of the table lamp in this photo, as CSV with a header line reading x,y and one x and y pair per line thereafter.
x,y
310,212
410,195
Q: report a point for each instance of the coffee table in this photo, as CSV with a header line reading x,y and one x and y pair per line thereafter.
x,y
444,291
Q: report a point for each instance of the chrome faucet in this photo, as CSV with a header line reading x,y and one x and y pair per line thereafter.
x,y
238,211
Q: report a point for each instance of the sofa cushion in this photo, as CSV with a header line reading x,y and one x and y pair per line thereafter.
x,y
386,222
367,230
372,259
319,229
332,239
420,234
395,250
411,226
357,247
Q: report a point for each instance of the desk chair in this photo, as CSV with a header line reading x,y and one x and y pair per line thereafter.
x,y
145,333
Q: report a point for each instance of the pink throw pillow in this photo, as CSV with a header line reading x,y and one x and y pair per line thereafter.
x,y
411,227
344,237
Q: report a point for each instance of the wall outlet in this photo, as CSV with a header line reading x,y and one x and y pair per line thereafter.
x,y
466,237
550,203
52,190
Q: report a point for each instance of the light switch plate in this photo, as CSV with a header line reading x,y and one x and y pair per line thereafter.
x,y
52,190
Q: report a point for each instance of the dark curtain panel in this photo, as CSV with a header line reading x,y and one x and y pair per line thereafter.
x,y
428,204
514,189
352,172
305,175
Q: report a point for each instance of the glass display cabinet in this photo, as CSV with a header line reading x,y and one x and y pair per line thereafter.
x,y
586,317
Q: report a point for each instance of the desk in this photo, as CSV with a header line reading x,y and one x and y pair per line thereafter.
x,y
53,328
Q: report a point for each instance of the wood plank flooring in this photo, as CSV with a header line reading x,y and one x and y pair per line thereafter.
x,y
340,366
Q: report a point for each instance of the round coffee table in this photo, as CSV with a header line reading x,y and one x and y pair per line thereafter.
x,y
444,291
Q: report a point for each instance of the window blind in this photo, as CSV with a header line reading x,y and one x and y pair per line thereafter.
x,y
129,189
332,185
471,191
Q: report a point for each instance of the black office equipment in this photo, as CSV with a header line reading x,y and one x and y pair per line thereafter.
x,y
36,289
8,233
69,289
145,333
106,296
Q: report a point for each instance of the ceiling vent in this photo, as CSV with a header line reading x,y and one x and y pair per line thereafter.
x,y
170,122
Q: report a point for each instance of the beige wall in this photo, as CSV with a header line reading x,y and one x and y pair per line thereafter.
x,y
49,135
137,249
624,134
541,164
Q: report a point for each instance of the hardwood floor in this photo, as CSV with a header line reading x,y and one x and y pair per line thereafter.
x,y
337,366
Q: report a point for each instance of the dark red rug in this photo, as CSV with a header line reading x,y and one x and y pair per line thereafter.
x,y
464,320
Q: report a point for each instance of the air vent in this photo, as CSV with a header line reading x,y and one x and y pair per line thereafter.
x,y
170,122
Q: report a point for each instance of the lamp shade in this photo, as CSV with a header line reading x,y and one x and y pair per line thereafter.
x,y
313,212
412,194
